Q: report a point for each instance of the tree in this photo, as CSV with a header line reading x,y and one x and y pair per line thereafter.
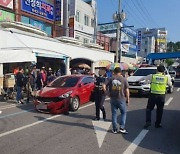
x,y
169,62
171,46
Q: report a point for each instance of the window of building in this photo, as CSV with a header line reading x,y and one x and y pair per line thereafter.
x,y
78,16
38,24
86,20
92,23
77,37
85,41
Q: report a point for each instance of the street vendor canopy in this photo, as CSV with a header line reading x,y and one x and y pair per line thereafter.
x,y
14,56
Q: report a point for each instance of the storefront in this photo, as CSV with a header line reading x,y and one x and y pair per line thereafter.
x,y
39,14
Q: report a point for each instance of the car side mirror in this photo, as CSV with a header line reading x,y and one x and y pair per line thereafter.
x,y
80,85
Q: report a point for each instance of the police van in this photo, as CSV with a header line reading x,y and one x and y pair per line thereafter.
x,y
143,87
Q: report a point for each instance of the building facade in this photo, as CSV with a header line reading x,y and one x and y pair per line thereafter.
x,y
42,14
81,20
151,41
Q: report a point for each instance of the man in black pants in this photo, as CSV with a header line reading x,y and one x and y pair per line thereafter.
x,y
159,81
100,95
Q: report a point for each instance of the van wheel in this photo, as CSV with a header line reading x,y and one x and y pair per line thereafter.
x,y
74,105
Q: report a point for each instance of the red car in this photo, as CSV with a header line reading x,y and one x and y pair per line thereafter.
x,y
63,93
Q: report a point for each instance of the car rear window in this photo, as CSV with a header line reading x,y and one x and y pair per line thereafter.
x,y
64,82
144,72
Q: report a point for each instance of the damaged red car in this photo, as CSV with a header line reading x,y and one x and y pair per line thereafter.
x,y
64,93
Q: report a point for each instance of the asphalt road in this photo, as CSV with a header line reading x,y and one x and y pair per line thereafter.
x,y
23,130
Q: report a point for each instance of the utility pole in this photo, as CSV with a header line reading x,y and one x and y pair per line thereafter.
x,y
94,6
118,37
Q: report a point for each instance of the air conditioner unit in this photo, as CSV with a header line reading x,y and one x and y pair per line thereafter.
x,y
93,45
69,40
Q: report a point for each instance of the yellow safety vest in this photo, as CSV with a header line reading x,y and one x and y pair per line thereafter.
x,y
158,84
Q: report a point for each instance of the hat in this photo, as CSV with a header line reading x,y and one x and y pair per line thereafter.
x,y
50,69
43,67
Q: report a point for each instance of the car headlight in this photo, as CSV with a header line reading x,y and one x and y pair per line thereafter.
x,y
144,82
66,95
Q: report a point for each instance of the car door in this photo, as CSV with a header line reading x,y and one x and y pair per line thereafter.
x,y
86,85
89,88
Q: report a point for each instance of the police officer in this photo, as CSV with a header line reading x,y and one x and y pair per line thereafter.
x,y
99,95
157,95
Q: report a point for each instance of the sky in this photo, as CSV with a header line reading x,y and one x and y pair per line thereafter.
x,y
145,13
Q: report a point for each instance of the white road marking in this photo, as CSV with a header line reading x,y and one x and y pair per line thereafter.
x,y
7,106
178,89
36,123
169,101
132,147
101,127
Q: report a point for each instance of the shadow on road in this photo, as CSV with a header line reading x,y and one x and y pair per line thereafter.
x,y
161,140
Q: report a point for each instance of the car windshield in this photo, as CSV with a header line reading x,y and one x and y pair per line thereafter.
x,y
144,72
64,82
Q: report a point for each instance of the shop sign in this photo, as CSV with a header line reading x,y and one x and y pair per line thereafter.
x,y
71,27
7,3
58,12
139,39
6,16
107,27
38,7
161,40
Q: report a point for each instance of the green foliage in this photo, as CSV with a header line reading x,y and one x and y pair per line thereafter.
x,y
169,62
171,46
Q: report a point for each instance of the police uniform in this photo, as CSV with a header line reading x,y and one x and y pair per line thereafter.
x,y
157,97
99,97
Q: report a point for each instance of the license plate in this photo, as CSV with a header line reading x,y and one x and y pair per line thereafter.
x,y
41,106
133,91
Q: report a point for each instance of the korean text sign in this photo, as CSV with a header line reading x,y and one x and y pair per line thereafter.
x,y
38,7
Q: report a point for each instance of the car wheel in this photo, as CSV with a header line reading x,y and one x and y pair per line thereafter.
x,y
170,90
74,105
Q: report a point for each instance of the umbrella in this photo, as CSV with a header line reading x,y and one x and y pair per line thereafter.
x,y
123,66
82,65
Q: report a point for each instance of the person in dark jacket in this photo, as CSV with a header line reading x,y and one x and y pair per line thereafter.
x,y
19,85
99,95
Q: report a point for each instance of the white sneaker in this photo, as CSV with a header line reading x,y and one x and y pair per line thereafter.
x,y
123,131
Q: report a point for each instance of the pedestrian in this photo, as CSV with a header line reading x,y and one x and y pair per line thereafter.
x,y
19,85
99,95
118,90
50,76
39,81
158,82
33,77
44,76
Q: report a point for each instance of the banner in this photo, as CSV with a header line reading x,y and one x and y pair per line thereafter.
x,y
38,7
58,12
6,16
7,3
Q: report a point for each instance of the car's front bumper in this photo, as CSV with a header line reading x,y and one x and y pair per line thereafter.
x,y
52,107
139,90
